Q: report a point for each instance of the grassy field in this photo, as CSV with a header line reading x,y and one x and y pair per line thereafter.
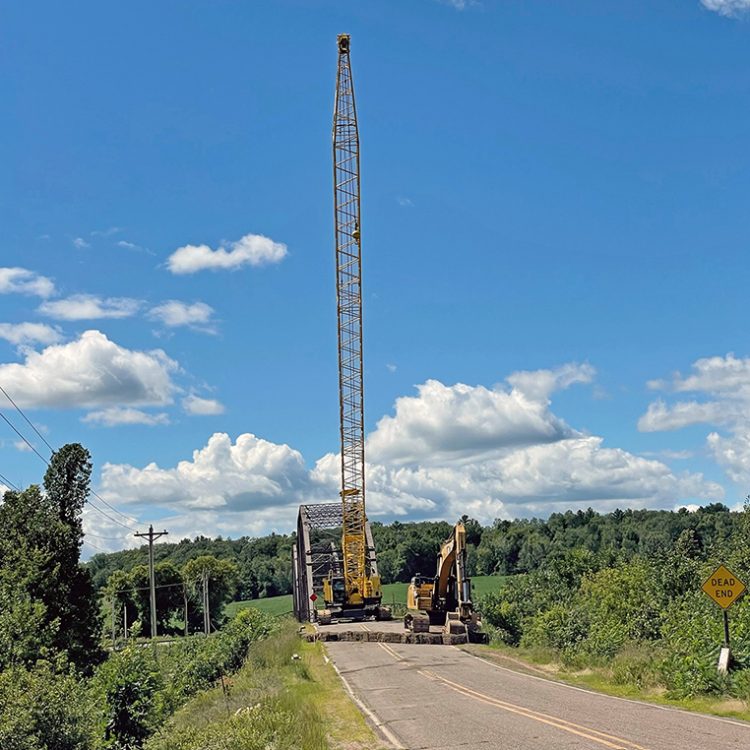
x,y
392,593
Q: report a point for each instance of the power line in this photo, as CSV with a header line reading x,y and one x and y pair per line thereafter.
x,y
106,515
103,538
111,507
8,483
13,427
94,546
148,588
46,461
31,424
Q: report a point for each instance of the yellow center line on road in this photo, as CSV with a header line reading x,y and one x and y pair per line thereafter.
x,y
602,738
390,651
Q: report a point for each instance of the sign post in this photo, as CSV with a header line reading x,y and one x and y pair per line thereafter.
x,y
725,589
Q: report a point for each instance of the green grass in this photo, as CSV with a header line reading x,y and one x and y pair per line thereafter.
x,y
275,605
392,592
286,697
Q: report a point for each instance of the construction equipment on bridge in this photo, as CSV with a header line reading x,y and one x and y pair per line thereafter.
x,y
445,599
316,555
349,577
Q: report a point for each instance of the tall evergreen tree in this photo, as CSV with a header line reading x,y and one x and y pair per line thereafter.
x,y
67,483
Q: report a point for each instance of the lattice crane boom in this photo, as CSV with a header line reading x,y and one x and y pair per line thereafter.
x,y
349,305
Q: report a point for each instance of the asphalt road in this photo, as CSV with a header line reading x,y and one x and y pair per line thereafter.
x,y
440,697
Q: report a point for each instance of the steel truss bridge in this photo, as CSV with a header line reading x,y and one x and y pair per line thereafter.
x,y
317,553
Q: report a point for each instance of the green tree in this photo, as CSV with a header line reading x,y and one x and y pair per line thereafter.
x,y
42,578
222,578
72,600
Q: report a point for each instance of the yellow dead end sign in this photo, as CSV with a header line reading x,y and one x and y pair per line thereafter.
x,y
724,587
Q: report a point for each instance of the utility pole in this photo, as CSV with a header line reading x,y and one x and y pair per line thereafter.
x,y
206,606
114,642
184,597
125,621
152,536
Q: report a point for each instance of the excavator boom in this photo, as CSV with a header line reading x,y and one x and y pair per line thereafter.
x,y
446,599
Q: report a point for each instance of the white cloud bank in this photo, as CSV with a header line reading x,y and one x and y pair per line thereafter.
x,y
23,281
732,8
90,372
721,386
90,307
26,334
444,422
174,314
202,407
446,451
115,416
250,250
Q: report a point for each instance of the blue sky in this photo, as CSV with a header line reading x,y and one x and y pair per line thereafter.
x,y
553,189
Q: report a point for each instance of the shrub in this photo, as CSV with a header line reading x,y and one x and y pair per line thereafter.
x,y
128,684
560,627
41,708
623,604
503,616
636,665
741,685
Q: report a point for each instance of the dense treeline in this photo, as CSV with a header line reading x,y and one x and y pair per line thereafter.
x,y
633,601
59,689
127,698
263,565
408,549
179,595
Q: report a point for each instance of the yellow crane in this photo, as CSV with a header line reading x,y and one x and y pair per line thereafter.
x,y
355,592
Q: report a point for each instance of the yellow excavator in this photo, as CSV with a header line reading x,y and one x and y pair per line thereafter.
x,y
445,600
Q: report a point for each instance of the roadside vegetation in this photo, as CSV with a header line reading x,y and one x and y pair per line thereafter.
x,y
285,697
611,600
61,689
639,622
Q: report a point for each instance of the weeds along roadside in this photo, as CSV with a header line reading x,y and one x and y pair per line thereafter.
x,y
128,697
254,684
272,701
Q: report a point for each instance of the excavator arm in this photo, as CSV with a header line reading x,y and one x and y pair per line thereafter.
x,y
446,599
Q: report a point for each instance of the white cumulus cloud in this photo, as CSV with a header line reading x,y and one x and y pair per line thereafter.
x,y
25,334
90,372
174,314
734,8
250,250
444,422
23,281
202,406
115,416
660,417
90,307
722,389
449,450
247,474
